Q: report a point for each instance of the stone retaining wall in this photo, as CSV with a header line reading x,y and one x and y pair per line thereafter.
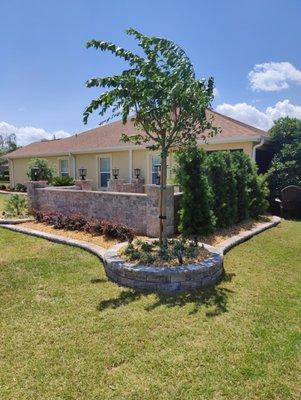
x,y
167,279
138,211
121,185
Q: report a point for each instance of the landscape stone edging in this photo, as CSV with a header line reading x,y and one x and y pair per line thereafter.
x,y
156,279
91,248
163,279
15,221
7,192
228,244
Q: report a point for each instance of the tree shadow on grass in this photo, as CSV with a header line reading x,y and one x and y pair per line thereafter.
x,y
214,298
98,280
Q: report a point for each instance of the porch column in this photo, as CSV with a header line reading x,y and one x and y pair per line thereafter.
x,y
130,165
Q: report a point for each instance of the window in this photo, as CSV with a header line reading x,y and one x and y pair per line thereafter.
x,y
104,171
156,164
64,168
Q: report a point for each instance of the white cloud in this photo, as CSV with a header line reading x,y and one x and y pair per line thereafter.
x,y
29,134
261,119
282,109
273,76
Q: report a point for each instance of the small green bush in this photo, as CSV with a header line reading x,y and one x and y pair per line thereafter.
x,y
62,181
177,251
47,170
20,187
16,206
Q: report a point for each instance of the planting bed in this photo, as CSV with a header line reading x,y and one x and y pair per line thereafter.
x,y
163,279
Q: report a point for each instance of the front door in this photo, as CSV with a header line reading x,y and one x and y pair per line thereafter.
x,y
104,171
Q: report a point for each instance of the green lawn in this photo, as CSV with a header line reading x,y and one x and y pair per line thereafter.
x,y
66,332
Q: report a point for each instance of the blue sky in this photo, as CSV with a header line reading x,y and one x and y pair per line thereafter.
x,y
44,62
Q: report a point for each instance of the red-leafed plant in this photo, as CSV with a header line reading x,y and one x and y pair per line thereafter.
x,y
76,222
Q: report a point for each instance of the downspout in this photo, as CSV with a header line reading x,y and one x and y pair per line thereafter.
x,y
256,147
73,164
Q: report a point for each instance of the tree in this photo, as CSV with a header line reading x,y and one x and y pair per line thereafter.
x,y
8,143
285,166
223,182
241,161
162,96
258,190
196,215
286,130
285,170
47,170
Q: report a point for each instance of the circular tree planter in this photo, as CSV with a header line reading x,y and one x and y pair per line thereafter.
x,y
163,279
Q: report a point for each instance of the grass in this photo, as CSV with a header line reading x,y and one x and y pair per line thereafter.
x,y
66,332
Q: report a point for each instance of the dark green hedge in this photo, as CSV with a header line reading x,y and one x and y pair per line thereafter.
x,y
220,189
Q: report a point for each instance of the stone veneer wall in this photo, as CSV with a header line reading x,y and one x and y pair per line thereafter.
x,y
121,185
138,211
169,279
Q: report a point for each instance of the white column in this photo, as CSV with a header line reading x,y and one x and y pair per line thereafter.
x,y
130,165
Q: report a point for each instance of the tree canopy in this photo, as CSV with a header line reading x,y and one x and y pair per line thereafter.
x,y
286,130
8,143
286,164
159,92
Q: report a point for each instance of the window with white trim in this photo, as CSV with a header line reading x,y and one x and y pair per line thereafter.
x,y
104,171
64,168
156,163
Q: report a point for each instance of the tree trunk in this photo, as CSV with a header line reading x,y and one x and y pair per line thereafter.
x,y
163,236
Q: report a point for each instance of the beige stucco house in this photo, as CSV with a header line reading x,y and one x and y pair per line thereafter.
x,y
100,150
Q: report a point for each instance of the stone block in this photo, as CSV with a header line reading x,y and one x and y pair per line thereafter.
x,y
84,184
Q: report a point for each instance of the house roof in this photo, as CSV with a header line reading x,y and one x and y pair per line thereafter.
x,y
107,137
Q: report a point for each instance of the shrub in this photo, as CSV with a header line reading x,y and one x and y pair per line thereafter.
x,y
196,215
115,231
241,162
76,222
285,169
259,193
16,206
47,169
62,181
94,227
152,253
221,171
20,187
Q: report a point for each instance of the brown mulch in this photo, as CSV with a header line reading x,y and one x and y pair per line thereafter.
x,y
78,235
226,233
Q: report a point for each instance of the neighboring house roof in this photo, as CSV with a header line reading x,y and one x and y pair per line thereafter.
x,y
107,137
